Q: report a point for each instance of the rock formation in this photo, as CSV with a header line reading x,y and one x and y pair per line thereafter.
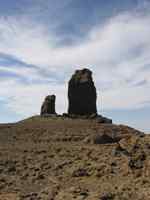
x,y
82,98
48,106
82,93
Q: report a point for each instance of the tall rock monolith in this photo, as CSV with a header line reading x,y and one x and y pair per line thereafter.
x,y
82,93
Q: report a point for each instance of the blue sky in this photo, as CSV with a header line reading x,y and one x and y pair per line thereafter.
x,y
43,42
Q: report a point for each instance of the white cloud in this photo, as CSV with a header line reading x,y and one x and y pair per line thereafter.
x,y
117,52
26,100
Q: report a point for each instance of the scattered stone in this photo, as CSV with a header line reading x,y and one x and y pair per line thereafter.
x,y
137,160
107,196
102,170
80,172
129,144
40,177
118,151
3,183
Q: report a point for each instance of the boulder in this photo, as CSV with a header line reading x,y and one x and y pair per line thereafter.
x,y
82,93
105,139
48,106
101,119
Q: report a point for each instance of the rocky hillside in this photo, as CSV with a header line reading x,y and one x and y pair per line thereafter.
x,y
58,158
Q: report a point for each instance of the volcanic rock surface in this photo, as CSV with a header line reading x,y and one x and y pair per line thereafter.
x,y
48,106
61,158
82,93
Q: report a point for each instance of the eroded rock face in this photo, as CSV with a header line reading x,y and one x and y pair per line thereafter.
x,y
48,106
82,93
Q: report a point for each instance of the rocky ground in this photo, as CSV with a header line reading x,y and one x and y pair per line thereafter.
x,y
65,159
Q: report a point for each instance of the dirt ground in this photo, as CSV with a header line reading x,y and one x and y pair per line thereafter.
x,y
65,159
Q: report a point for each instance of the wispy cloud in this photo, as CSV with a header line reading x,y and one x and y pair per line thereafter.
x,y
117,52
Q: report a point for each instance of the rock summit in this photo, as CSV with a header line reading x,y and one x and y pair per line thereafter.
x,y
82,93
